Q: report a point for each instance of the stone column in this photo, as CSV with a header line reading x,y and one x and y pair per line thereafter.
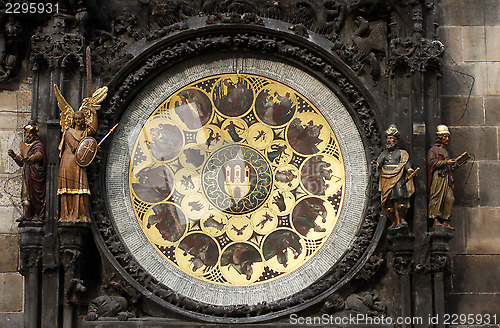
x,y
30,264
439,262
72,240
402,249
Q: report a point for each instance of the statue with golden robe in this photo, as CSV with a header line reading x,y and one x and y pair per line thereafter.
x,y
72,184
396,179
440,178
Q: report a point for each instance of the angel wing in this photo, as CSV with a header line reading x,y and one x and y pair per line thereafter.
x,y
93,103
67,111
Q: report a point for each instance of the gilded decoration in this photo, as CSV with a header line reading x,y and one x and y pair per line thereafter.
x,y
237,179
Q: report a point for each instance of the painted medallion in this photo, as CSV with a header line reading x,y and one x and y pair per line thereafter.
x,y
237,179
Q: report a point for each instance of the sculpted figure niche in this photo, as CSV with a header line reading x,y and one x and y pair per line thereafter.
x,y
396,179
32,159
72,184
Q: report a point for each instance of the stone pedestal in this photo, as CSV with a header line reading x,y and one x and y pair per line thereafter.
x,y
30,263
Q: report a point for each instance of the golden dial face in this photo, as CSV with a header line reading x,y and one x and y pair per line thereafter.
x,y
237,179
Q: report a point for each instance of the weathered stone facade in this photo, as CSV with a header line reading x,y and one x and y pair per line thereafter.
x,y
466,97
469,29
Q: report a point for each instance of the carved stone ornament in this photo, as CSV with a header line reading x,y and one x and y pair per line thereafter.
x,y
403,264
415,54
108,306
57,48
173,247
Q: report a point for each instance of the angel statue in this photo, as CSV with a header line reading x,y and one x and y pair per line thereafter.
x,y
72,182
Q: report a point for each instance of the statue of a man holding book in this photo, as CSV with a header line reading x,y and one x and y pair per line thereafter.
x,y
440,179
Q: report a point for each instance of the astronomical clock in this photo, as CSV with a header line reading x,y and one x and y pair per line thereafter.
x,y
235,182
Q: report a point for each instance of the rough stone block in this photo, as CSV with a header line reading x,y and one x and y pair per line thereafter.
x,y
12,320
461,12
451,36
11,191
8,101
492,43
459,221
9,140
13,121
492,110
454,112
489,183
492,13
482,230
466,185
475,273
473,303
481,82
11,292
474,39
457,79
8,216
482,142
9,244
493,78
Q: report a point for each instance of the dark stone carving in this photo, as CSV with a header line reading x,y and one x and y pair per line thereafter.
x,y
402,248
30,247
367,303
160,33
10,40
371,9
416,55
108,54
72,240
235,18
229,6
30,264
108,306
170,10
370,268
437,258
403,264
126,24
333,16
299,29
258,43
60,47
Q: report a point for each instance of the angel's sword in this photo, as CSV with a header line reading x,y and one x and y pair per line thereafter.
x,y
89,72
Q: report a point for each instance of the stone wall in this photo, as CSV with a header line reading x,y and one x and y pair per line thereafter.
x,y
14,114
470,30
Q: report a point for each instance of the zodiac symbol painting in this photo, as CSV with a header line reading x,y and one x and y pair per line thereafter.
x,y
236,179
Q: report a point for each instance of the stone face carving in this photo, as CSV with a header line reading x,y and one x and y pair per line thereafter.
x,y
34,163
